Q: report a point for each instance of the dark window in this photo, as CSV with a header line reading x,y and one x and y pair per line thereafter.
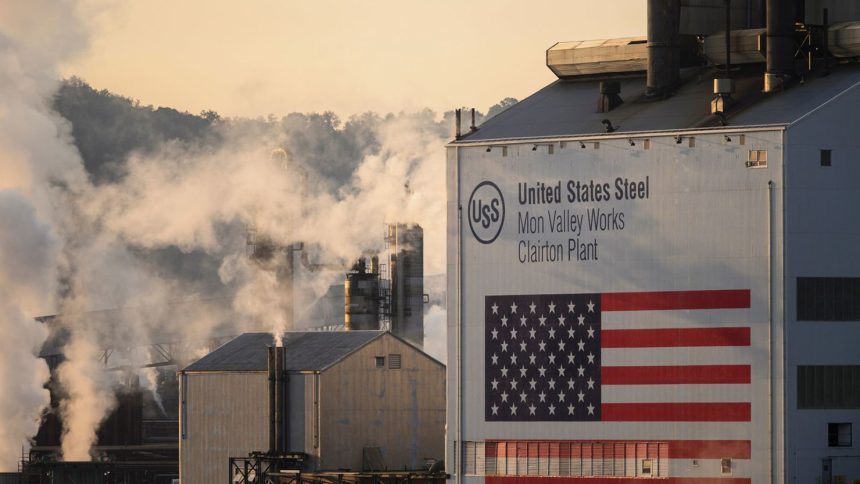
x,y
394,361
725,466
839,434
380,362
828,298
820,387
825,157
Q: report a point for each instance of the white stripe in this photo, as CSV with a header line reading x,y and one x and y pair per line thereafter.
x,y
615,467
706,355
700,318
676,393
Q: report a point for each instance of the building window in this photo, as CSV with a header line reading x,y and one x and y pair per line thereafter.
x,y
825,157
647,144
726,466
550,149
647,464
691,142
504,151
839,434
823,387
394,361
380,362
828,298
757,159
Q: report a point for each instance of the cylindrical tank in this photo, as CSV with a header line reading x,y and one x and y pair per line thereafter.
x,y
361,298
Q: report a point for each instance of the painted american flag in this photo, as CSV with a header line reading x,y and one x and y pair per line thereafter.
x,y
552,357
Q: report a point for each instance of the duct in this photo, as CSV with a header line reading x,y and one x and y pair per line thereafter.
x,y
598,57
748,47
780,42
664,52
844,39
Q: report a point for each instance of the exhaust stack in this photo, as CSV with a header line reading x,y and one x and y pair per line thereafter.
x,y
278,431
780,43
664,52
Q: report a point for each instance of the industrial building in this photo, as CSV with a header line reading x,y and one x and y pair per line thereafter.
x,y
330,400
652,261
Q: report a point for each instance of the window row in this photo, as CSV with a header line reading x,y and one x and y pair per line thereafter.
x,y
566,458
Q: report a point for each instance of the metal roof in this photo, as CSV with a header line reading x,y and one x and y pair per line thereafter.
x,y
568,107
305,350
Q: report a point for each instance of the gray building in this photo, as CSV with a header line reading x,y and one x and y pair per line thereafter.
x,y
349,395
660,280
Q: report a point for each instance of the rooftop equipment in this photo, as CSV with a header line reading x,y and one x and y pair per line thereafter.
x,y
598,57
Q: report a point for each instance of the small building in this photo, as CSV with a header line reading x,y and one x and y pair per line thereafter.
x,y
350,395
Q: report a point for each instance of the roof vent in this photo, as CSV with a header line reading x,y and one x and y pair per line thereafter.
x,y
609,98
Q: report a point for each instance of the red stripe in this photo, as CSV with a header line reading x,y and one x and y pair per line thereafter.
x,y
670,300
678,449
675,412
666,375
666,338
613,480
709,449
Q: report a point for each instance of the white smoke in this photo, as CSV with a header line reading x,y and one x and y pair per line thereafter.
x,y
68,246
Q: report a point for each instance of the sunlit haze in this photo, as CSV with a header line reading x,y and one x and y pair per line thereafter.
x,y
279,56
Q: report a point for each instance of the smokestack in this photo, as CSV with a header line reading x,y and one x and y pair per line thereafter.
x,y
664,52
780,42
278,431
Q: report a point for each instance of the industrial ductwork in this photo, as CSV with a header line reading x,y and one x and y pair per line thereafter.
x,y
664,52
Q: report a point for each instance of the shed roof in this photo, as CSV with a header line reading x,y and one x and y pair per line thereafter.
x,y
568,107
305,350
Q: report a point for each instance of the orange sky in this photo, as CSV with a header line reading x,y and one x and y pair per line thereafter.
x,y
277,56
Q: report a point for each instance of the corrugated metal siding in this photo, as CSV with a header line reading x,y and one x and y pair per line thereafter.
x,y
226,415
402,411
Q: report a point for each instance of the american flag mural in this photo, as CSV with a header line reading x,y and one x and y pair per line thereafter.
x,y
616,358
551,357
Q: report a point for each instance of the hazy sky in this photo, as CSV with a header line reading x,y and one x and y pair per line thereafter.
x,y
277,56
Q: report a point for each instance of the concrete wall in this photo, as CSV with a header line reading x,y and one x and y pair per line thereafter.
x,y
402,411
226,415
822,240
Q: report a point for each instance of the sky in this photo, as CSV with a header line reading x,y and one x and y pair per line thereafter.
x,y
260,57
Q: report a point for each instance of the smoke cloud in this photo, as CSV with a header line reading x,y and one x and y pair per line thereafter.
x,y
102,250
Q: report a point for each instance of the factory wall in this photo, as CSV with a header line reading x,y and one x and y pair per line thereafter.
x,y
222,415
702,223
399,410
823,236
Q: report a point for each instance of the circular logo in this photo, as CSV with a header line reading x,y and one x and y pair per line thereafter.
x,y
486,212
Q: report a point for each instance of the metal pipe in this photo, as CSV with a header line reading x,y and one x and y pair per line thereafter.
x,y
728,39
825,17
457,117
273,442
664,53
780,42
280,400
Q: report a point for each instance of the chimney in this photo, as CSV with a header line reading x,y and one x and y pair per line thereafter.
x,y
609,98
780,43
278,431
664,52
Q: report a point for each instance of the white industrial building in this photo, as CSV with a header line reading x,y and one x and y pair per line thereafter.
x,y
653,269
347,400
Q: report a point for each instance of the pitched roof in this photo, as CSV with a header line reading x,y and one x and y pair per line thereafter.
x,y
568,107
305,350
